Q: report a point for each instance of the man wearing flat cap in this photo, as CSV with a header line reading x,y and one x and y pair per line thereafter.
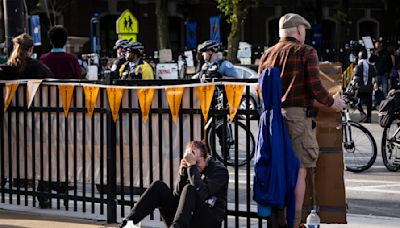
x,y
298,64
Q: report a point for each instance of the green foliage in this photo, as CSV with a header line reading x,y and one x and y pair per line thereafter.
x,y
236,10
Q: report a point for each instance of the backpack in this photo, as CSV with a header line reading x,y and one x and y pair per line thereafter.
x,y
388,109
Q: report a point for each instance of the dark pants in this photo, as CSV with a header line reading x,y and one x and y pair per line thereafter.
x,y
46,187
186,211
365,98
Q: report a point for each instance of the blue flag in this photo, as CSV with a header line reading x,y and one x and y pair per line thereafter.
x,y
35,30
215,31
191,41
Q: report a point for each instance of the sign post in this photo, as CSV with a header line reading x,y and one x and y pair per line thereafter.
x,y
127,26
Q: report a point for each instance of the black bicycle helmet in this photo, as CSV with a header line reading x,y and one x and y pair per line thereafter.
x,y
135,47
121,43
209,45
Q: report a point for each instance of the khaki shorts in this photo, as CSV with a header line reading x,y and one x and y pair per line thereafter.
x,y
304,139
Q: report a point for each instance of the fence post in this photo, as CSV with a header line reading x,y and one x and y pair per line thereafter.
x,y
111,168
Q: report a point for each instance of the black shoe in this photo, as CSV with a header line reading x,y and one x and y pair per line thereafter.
x,y
44,205
123,223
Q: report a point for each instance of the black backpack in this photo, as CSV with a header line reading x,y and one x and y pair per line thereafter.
x,y
388,109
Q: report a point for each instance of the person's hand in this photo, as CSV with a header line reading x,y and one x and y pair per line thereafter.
x,y
182,167
338,103
190,157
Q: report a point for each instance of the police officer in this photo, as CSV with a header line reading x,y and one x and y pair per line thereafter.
x,y
120,46
215,66
135,67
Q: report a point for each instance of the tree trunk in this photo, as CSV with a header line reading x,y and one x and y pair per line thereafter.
x,y
162,23
234,35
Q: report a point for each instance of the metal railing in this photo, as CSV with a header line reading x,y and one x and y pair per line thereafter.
x,y
108,164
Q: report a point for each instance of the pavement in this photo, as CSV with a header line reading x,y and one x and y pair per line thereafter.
x,y
18,219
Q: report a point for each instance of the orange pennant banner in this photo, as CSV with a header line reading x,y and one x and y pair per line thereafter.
x,y
145,98
174,96
91,93
234,95
114,98
205,95
66,92
9,92
31,89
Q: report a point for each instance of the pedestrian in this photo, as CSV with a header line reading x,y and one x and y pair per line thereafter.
x,y
20,63
135,67
298,64
199,198
363,77
383,65
377,96
62,64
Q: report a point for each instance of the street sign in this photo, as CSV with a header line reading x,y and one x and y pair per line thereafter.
x,y
127,26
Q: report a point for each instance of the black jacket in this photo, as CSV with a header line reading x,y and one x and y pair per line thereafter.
x,y
213,181
34,70
358,76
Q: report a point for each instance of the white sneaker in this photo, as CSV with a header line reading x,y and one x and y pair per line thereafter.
x,y
131,225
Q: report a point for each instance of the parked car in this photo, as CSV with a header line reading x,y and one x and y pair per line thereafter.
x,y
247,72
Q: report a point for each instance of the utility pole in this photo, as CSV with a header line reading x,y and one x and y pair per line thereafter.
x,y
14,21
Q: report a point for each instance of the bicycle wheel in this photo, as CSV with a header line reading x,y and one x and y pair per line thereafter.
x,y
360,150
391,146
216,144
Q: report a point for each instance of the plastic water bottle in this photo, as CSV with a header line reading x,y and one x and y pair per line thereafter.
x,y
313,220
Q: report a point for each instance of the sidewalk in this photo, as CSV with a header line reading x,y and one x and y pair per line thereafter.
x,y
13,219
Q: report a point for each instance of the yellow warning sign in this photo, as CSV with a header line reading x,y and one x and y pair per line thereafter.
x,y
66,92
127,24
145,98
234,95
174,96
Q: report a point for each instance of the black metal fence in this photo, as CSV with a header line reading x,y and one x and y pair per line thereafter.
x,y
103,166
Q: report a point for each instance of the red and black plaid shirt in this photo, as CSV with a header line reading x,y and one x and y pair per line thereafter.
x,y
291,57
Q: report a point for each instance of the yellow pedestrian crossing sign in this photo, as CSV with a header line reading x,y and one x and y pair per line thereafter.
x,y
127,26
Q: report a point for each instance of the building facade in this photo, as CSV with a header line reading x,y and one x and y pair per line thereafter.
x,y
334,22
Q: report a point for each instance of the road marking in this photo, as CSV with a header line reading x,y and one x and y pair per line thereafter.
x,y
360,189
370,181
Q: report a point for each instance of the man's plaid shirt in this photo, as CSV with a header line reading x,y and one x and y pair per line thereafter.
x,y
292,58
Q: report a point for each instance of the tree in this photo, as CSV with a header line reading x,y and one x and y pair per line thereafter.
x,y
235,11
53,8
162,23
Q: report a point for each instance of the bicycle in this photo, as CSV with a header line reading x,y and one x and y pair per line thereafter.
x,y
358,142
391,143
229,147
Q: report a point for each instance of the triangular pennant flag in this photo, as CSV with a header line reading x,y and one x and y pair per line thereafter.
x,y
9,92
114,98
91,93
31,89
145,98
174,96
205,95
66,92
234,95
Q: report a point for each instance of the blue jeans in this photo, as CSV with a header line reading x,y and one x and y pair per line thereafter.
x,y
383,80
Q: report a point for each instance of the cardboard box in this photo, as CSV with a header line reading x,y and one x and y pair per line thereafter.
x,y
330,194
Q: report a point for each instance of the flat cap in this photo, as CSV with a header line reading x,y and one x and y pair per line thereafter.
x,y
290,20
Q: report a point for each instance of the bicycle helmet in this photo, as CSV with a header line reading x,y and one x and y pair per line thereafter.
x,y
135,47
121,43
209,45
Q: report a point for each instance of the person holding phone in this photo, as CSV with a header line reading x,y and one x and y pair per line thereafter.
x,y
199,198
